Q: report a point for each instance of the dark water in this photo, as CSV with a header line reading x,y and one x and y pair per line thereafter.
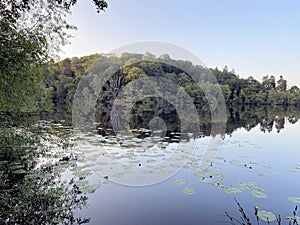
x,y
125,182
258,164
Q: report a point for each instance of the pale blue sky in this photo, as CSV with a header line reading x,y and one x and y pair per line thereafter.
x,y
255,37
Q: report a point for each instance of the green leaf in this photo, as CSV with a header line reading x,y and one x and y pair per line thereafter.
x,y
258,194
266,216
178,182
188,191
90,189
294,199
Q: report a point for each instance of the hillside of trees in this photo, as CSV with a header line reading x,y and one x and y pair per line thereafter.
x,y
63,77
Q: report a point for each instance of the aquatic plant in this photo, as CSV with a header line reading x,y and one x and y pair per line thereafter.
x,y
261,216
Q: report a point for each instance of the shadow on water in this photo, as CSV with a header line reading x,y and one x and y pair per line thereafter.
x,y
42,182
33,157
268,118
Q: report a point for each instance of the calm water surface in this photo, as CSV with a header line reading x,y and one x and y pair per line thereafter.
x,y
258,168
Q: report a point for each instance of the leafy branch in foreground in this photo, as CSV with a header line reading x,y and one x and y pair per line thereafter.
x,y
32,33
32,190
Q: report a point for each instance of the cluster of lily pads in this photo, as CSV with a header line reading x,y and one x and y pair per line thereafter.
x,y
134,153
263,215
125,156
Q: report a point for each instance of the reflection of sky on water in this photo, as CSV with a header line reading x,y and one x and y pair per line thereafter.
x,y
271,156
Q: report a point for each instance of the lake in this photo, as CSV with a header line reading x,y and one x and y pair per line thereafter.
x,y
258,164
154,176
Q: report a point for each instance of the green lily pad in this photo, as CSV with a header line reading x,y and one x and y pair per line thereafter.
x,y
268,167
82,173
188,191
236,163
266,216
263,174
247,185
258,194
82,182
151,160
90,189
219,176
232,190
294,199
178,182
206,180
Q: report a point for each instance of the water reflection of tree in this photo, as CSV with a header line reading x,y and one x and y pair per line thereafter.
x,y
267,118
30,194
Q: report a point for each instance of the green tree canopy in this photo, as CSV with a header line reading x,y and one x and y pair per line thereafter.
x,y
31,34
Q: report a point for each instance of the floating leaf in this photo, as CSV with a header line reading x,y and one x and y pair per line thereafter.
x,y
82,182
294,199
236,163
218,185
90,189
263,174
266,216
188,191
246,185
219,176
178,182
206,180
258,194
232,190
268,167
82,173
151,160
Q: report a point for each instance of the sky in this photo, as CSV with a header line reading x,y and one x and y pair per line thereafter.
x,y
253,37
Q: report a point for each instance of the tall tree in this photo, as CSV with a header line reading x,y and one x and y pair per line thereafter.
x,y
281,84
31,33
268,82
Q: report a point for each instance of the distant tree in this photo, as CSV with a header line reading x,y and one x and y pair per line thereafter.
x,y
268,82
294,89
225,69
65,67
281,84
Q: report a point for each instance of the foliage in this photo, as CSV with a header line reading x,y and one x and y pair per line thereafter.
x,y
31,192
31,34
64,76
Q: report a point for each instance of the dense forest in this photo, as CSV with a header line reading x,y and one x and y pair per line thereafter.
x,y
63,77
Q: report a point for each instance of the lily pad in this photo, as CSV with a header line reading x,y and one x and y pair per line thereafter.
x,y
294,199
90,189
258,194
188,191
263,174
266,216
82,182
178,182
232,190
236,163
206,180
82,173
151,160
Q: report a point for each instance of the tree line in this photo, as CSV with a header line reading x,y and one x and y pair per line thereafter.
x,y
63,77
